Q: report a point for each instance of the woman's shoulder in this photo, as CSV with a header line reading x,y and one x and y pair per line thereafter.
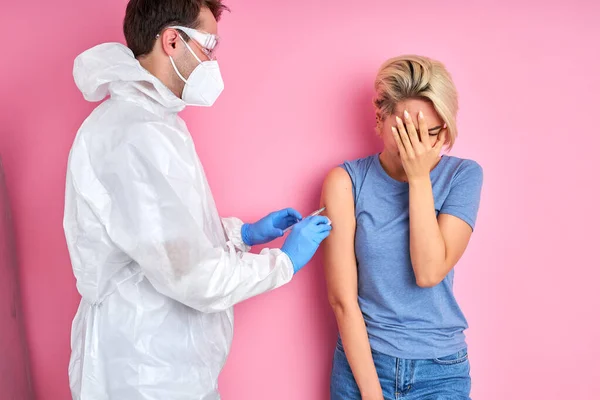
x,y
359,165
462,165
461,170
349,173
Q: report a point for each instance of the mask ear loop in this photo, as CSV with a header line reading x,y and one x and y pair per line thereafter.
x,y
190,49
177,71
173,62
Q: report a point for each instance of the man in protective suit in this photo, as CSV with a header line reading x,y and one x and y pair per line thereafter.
x,y
157,268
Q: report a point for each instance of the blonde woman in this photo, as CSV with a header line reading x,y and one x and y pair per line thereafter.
x,y
402,220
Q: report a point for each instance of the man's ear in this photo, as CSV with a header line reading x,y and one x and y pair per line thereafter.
x,y
170,41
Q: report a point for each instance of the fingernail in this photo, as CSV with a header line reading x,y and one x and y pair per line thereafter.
x,y
398,120
420,114
406,114
394,129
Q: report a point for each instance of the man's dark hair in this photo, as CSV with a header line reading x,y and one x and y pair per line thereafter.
x,y
144,19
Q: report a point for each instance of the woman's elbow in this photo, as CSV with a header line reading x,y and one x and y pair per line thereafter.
x,y
343,306
428,280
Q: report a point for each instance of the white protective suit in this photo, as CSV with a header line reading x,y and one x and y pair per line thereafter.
x,y
157,268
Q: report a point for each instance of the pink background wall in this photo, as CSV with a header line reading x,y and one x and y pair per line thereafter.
x,y
15,379
297,102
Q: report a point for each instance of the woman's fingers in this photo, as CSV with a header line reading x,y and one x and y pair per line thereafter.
x,y
424,131
411,130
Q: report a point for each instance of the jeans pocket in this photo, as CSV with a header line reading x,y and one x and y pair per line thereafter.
x,y
454,358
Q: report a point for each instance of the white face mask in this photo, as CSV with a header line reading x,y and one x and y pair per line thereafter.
x,y
204,85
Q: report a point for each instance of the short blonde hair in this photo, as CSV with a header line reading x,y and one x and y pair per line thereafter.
x,y
413,76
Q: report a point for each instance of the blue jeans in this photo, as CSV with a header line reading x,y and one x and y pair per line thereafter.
x,y
445,378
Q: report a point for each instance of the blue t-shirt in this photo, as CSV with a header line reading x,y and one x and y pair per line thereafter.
x,y
404,320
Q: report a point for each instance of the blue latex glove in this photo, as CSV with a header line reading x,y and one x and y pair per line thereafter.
x,y
270,227
304,240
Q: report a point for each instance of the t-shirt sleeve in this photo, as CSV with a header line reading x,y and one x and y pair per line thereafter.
x,y
357,169
350,167
465,192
